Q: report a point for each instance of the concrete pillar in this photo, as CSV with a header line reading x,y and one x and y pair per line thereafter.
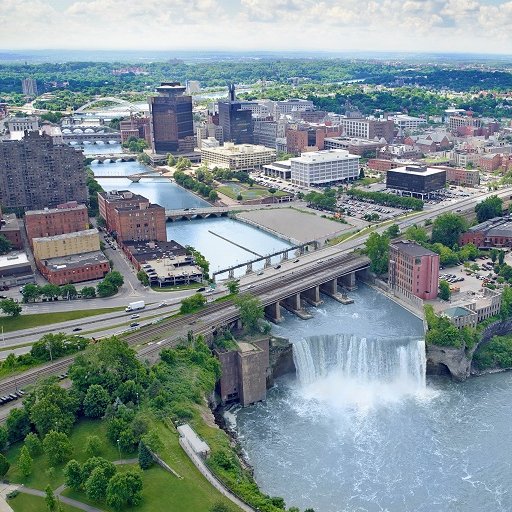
x,y
313,296
273,312
349,281
330,287
285,256
248,270
231,274
294,301
268,263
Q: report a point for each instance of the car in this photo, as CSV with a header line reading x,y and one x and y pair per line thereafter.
x,y
134,324
163,305
76,329
134,316
277,267
3,297
296,261
250,286
13,396
260,273
202,289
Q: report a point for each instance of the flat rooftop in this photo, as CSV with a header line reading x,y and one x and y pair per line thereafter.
x,y
75,261
9,222
67,236
13,259
327,155
56,210
417,170
122,195
412,248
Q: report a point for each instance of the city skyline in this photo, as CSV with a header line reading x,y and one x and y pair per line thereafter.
x,y
479,26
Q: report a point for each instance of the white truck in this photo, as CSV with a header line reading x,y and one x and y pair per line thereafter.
x,y
135,306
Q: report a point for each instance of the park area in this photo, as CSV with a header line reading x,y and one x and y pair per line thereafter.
x,y
234,189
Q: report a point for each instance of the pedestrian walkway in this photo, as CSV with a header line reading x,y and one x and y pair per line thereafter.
x,y
201,466
63,499
5,489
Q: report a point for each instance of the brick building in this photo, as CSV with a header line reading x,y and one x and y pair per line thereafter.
x,y
413,270
495,232
36,173
143,222
10,229
74,268
78,242
138,127
65,218
108,201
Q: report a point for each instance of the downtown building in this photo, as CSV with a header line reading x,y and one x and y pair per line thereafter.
x,y
237,156
236,122
172,128
322,168
29,86
413,270
416,180
368,128
37,173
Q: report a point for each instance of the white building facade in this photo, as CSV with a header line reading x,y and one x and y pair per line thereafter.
x,y
324,167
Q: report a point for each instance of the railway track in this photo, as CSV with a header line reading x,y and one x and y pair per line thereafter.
x,y
199,323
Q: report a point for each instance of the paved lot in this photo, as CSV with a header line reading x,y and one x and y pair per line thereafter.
x,y
295,225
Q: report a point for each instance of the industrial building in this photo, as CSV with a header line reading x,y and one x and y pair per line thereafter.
x,y
416,180
15,269
495,232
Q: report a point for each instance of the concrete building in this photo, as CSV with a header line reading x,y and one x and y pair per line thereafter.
x,y
244,372
10,230
21,125
291,105
416,180
36,173
368,128
320,168
15,269
258,110
495,232
74,268
67,244
237,124
475,308
171,123
457,121
65,218
145,221
265,133
207,131
355,146
238,156
413,270
406,123
461,177
29,87
282,169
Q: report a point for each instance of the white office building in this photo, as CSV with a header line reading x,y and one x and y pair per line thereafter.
x,y
407,123
324,167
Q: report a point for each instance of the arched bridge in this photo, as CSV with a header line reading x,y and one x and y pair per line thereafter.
x,y
113,157
110,99
196,213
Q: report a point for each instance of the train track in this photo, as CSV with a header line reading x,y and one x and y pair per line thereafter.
x,y
198,323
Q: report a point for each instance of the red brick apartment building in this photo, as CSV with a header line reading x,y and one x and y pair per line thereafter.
x,y
413,270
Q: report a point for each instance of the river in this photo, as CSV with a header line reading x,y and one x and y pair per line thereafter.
x,y
201,234
360,429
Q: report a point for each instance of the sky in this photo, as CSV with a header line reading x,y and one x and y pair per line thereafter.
x,y
469,26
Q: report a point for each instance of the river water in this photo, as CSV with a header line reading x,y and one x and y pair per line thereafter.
x,y
360,429
209,236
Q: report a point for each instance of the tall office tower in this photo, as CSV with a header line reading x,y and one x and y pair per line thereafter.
x,y
29,86
36,173
236,123
171,123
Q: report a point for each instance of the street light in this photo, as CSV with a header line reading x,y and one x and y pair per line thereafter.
x,y
119,448
49,347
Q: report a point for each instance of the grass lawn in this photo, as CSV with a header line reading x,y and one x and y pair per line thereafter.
x,y
233,188
191,286
29,503
162,490
38,320
40,478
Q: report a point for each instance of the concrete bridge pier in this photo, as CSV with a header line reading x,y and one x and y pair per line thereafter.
x,y
331,289
349,281
273,312
285,256
231,274
268,263
312,296
248,269
294,305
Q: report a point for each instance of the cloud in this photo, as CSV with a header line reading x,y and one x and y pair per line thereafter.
x,y
408,25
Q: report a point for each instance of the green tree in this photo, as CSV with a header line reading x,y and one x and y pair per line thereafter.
x,y
18,424
213,196
377,249
50,500
444,290
93,446
239,197
115,277
489,208
106,289
251,311
501,257
57,447
171,161
5,245
34,445
233,287
96,485
10,307
506,303
88,292
494,255
31,293
143,158
393,231
68,291
447,229
417,233
124,490
25,462
73,475
3,437
50,291
96,401
4,465
192,304
143,277
145,457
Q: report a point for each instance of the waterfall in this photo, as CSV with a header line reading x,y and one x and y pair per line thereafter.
x,y
355,366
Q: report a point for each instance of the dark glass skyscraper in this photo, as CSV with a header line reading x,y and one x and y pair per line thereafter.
x,y
171,118
236,123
